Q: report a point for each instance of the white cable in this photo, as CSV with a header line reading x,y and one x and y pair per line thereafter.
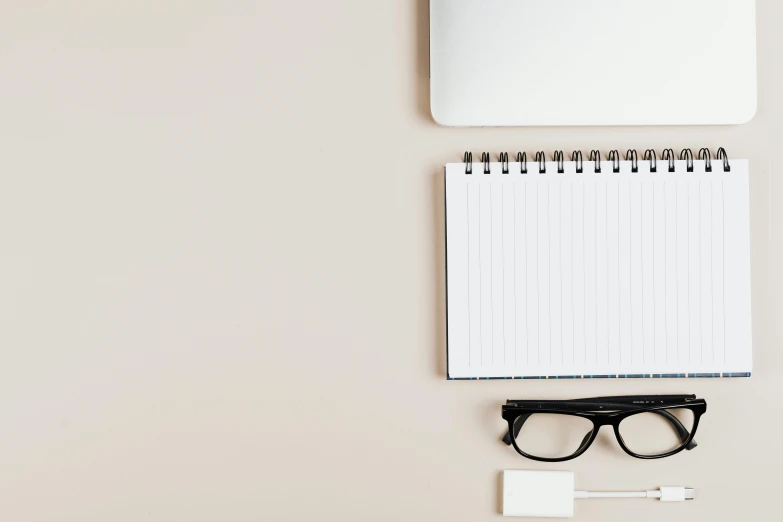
x,y
666,494
610,494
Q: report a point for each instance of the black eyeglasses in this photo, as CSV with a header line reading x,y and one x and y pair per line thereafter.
x,y
646,426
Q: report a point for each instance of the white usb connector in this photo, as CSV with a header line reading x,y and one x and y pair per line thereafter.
x,y
552,494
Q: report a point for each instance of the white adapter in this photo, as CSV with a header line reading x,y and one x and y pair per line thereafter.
x,y
552,494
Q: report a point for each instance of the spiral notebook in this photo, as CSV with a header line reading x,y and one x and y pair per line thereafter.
x,y
598,268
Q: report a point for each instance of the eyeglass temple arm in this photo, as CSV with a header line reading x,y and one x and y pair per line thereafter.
x,y
618,399
518,422
638,399
674,421
681,430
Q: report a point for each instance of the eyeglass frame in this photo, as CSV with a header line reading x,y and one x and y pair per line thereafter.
x,y
622,407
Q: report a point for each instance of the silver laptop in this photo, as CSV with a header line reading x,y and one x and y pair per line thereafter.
x,y
592,62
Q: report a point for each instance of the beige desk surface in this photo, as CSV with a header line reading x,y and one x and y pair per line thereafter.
x,y
222,285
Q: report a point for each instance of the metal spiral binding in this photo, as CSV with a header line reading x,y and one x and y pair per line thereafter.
x,y
704,154
485,161
576,157
630,155
668,154
522,160
721,154
468,159
687,155
614,157
541,160
595,157
504,162
559,160
652,157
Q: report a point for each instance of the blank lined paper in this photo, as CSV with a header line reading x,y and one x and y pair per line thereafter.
x,y
598,274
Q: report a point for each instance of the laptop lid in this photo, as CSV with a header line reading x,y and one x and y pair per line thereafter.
x,y
592,62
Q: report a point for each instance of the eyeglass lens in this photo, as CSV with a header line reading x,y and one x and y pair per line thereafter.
x,y
551,435
657,432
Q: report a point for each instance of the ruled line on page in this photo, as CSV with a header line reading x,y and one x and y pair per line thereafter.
x,y
467,231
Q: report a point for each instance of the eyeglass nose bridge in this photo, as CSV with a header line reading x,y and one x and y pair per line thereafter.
x,y
589,438
591,435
